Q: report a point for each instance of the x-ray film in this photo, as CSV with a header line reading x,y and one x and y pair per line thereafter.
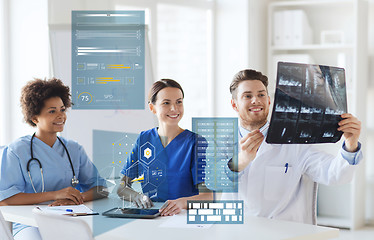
x,y
309,100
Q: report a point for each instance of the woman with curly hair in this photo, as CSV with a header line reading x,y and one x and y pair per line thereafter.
x,y
44,167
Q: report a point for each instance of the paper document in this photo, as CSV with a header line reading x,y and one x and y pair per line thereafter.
x,y
180,221
70,210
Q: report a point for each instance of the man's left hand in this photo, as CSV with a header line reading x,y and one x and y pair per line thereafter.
x,y
174,207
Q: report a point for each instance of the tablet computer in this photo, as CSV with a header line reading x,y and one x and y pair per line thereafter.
x,y
132,213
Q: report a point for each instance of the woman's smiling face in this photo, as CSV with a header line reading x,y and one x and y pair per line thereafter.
x,y
52,117
169,106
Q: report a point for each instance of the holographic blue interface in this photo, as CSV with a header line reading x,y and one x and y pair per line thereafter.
x,y
108,50
110,151
147,168
217,212
217,144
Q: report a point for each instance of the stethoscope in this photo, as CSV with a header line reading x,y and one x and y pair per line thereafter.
x,y
74,180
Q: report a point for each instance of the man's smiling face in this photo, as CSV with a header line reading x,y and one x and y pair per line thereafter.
x,y
252,104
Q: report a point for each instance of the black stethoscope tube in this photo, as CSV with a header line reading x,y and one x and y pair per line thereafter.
x,y
74,180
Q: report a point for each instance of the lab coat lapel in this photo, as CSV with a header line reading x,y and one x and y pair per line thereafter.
x,y
265,147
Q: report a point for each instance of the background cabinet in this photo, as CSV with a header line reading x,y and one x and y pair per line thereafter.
x,y
334,33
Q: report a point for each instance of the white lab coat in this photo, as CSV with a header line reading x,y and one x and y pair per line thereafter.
x,y
269,191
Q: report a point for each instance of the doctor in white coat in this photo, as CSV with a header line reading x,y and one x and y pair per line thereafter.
x,y
277,180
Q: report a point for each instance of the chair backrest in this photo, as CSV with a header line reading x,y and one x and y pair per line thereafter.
x,y
59,227
1,154
5,229
310,189
314,204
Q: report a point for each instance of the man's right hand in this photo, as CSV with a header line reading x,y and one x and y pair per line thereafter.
x,y
249,144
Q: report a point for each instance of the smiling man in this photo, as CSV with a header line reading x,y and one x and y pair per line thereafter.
x,y
278,181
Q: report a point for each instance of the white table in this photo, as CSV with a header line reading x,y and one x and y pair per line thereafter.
x,y
117,228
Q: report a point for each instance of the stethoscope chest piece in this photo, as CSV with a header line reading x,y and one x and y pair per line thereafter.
x,y
74,181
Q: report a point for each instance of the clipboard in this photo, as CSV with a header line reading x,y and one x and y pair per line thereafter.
x,y
69,210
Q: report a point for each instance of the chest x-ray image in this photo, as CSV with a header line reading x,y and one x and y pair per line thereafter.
x,y
309,100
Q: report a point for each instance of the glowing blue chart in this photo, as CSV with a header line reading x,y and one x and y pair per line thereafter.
x,y
217,212
110,151
217,144
108,59
149,169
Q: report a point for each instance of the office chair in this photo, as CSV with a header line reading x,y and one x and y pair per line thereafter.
x,y
5,232
59,227
5,227
310,197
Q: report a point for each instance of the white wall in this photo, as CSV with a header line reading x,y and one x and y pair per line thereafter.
x,y
240,43
370,121
231,50
4,73
26,56
371,45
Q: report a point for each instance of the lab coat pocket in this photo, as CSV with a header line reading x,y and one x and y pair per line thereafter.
x,y
277,182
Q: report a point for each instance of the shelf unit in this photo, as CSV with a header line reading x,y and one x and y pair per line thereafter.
x,y
332,47
340,206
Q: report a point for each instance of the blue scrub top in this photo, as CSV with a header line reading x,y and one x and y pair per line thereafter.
x,y
169,172
57,171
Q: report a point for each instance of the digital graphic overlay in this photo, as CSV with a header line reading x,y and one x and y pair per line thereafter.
x,y
215,212
108,50
217,144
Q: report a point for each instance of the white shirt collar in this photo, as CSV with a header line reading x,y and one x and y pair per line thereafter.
x,y
264,129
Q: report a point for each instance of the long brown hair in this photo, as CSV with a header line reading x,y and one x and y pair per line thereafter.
x,y
159,85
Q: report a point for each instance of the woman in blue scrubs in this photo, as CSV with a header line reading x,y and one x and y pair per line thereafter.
x,y
163,158
43,167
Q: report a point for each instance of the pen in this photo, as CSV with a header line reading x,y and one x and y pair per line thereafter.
x,y
286,166
80,214
263,130
64,210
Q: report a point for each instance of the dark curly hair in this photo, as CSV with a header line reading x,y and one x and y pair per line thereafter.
x,y
37,91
